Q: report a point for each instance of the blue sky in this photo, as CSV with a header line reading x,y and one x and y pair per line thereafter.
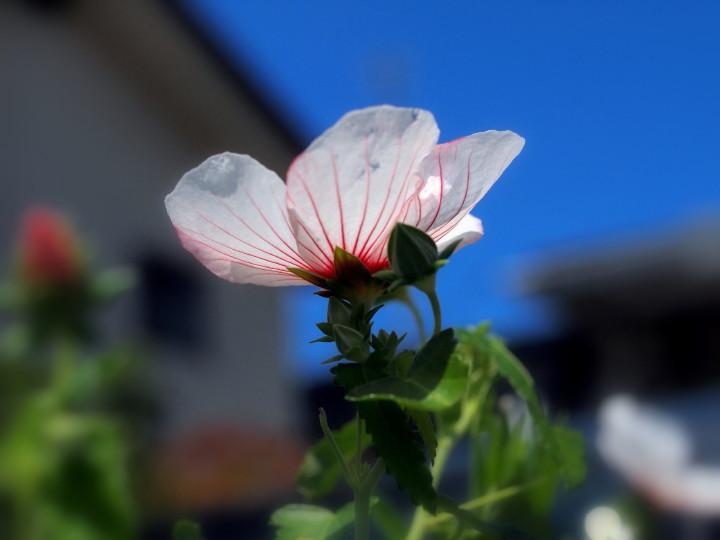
x,y
619,103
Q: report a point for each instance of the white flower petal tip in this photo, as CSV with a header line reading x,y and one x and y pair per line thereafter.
x,y
374,168
653,452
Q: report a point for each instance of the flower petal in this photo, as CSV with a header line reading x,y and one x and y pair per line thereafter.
x,y
456,176
468,230
230,213
350,186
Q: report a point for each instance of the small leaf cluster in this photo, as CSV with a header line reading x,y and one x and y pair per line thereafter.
x,y
349,327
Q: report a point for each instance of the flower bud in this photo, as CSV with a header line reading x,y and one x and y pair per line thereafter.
x,y
49,254
413,255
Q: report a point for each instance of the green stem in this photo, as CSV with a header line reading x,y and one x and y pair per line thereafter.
x,y
437,312
350,476
419,322
427,285
362,500
362,514
489,498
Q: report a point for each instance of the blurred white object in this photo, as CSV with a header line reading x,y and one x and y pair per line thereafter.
x,y
604,523
653,451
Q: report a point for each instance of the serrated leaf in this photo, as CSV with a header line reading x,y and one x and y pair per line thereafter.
x,y
426,429
308,522
435,380
394,441
320,470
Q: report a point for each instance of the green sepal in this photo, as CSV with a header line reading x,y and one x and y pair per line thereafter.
x,y
349,269
394,441
339,311
386,275
326,328
411,252
435,381
449,250
309,522
324,339
402,363
350,343
320,470
310,277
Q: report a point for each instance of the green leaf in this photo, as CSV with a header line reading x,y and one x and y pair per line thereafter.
x,y
389,520
435,380
565,445
320,470
502,531
426,429
395,442
187,530
112,283
308,522
571,452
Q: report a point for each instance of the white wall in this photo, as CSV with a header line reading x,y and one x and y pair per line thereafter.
x,y
87,126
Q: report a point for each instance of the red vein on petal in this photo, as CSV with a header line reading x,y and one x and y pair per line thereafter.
x,y
442,190
196,235
338,197
442,230
292,255
365,250
322,254
315,210
298,242
467,181
401,199
368,182
240,240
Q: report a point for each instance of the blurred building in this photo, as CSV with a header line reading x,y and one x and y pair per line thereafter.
x,y
103,106
642,317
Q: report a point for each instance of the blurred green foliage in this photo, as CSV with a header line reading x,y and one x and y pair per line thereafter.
x,y
515,458
63,447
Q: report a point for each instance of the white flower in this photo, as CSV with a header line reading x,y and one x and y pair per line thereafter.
x,y
374,168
